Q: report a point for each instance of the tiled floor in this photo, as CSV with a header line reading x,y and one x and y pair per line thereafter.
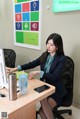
x,y
75,113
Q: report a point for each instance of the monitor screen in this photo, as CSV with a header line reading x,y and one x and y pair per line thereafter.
x,y
3,78
65,5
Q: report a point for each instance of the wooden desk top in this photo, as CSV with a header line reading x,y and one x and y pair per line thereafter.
x,y
31,97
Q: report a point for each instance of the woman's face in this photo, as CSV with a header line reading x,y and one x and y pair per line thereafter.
x,y
51,48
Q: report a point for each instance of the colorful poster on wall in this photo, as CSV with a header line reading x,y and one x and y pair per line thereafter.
x,y
27,23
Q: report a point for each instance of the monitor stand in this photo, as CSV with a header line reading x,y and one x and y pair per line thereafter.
x,y
7,86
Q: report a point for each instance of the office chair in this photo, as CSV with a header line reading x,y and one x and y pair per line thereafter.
x,y
10,57
67,76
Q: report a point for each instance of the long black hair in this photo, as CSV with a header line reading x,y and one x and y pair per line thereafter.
x,y
57,40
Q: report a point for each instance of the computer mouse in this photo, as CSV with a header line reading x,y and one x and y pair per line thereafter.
x,y
2,95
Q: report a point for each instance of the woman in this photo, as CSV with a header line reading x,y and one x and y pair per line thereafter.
x,y
51,63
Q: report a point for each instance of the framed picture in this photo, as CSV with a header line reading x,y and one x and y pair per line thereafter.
x,y
27,23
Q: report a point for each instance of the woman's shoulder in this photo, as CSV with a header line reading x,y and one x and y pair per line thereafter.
x,y
60,57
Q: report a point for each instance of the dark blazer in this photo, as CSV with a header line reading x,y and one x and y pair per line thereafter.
x,y
54,75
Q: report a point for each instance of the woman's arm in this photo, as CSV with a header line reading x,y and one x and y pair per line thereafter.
x,y
24,66
30,65
10,70
32,74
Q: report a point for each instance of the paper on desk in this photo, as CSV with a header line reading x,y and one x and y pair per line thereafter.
x,y
18,73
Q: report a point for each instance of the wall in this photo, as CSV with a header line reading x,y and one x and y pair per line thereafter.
x,y
67,24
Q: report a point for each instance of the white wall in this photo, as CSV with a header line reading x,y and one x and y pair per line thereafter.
x,y
67,24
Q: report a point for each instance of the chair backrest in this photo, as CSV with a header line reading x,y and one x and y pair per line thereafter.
x,y
68,75
10,57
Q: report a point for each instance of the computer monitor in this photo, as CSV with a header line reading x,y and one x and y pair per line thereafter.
x,y
3,77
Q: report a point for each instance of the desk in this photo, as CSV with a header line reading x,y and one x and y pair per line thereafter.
x,y
25,106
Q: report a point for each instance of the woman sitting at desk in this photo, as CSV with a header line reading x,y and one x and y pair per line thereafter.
x,y
51,63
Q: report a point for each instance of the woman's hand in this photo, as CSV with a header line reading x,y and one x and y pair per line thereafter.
x,y
32,74
10,70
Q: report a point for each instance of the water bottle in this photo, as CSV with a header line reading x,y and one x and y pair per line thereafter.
x,y
23,82
12,87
